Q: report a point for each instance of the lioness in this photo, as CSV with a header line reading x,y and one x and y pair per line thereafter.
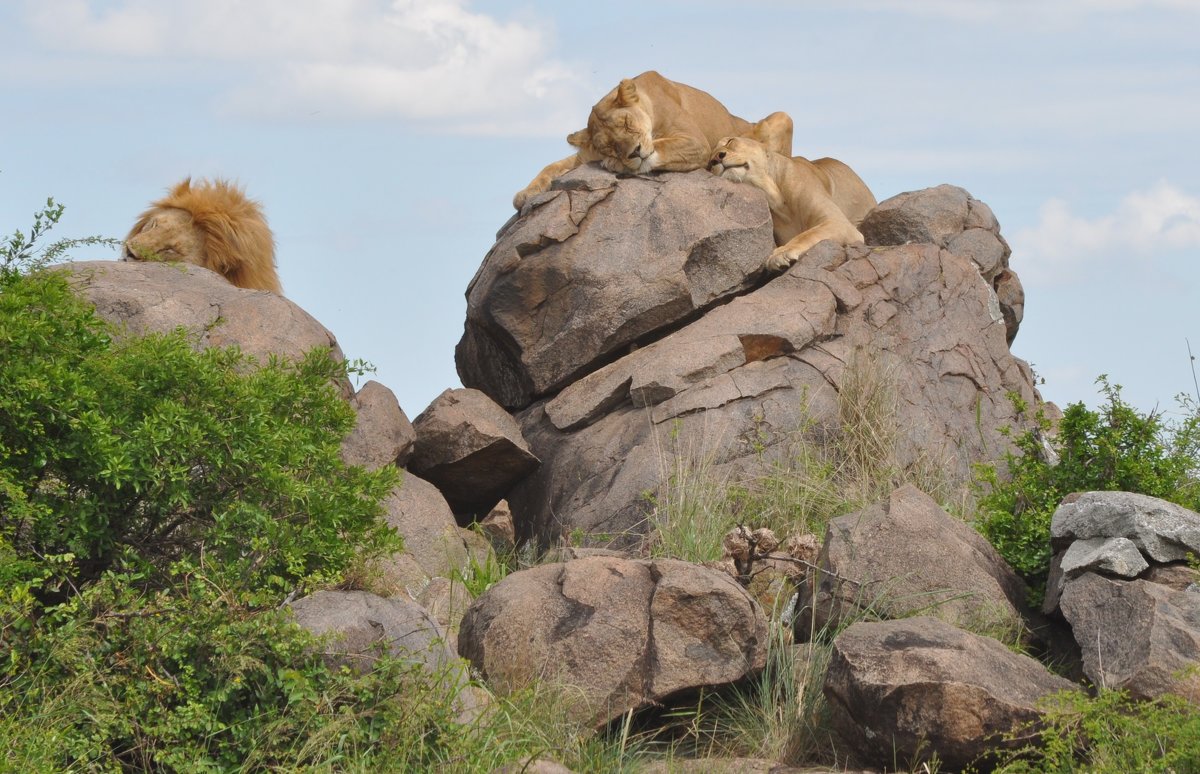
x,y
649,123
810,200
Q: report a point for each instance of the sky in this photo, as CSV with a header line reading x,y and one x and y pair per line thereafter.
x,y
385,140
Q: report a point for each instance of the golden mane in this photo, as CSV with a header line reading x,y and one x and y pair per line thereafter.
x,y
230,233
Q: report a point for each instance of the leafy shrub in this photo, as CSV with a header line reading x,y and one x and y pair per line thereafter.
x,y
1112,734
1115,448
142,451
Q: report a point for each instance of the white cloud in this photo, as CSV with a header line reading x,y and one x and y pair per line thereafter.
x,y
427,60
1062,246
1053,11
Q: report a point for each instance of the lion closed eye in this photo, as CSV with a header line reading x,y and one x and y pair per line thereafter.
x,y
209,224
649,123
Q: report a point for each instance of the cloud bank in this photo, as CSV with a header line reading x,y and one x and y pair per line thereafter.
x,y
433,61
1064,246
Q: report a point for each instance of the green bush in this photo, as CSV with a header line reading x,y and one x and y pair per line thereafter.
x,y
1114,448
1111,734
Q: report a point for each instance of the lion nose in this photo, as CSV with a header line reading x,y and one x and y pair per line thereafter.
x,y
128,255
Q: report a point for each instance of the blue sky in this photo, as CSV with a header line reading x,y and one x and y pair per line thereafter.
x,y
385,140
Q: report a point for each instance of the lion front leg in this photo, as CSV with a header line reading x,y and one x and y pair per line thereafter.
x,y
676,154
545,178
787,254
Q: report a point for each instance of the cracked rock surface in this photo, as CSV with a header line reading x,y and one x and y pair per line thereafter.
x,y
618,634
596,264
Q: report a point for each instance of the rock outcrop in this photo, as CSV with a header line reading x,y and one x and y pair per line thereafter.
x,y
382,434
901,690
917,326
619,634
907,556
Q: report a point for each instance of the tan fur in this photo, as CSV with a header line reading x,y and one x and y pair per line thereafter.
x,y
209,224
810,201
649,123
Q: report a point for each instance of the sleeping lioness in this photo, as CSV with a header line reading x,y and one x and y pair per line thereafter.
x,y
810,200
649,123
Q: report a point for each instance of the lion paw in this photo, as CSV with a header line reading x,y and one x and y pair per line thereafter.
x,y
779,260
528,192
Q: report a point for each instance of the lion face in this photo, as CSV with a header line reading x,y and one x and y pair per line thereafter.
x,y
622,137
167,234
736,158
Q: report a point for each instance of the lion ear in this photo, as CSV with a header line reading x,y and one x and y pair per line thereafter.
x,y
580,139
627,93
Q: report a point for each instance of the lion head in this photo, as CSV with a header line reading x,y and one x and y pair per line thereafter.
x,y
737,158
209,224
619,130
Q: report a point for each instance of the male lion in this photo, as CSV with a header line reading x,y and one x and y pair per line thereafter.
x,y
211,224
649,123
810,200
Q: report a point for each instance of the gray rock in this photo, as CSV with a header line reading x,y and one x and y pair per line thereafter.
x,y
1136,635
470,449
900,690
1163,531
433,541
907,556
598,264
617,634
364,626
382,434
151,297
1112,556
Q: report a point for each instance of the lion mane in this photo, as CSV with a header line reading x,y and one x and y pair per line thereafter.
x,y
648,123
810,201
210,224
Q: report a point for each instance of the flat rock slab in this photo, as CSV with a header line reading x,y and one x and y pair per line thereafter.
x,y
901,690
1162,531
619,634
907,555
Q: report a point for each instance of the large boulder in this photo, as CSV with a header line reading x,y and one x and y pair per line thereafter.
x,y
150,297
618,634
949,217
899,691
382,434
434,545
596,265
471,449
364,626
1136,635
914,327
907,555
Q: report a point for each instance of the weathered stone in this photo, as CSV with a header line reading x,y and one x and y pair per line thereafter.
x,y
470,449
365,627
901,690
1162,530
1136,635
419,513
1111,556
446,601
382,434
498,526
619,634
752,378
949,217
906,556
597,265
151,297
